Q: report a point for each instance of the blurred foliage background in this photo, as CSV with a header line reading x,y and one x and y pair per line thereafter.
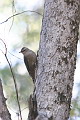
x,y
23,30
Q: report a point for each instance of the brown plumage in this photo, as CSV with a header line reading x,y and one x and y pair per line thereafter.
x,y
30,61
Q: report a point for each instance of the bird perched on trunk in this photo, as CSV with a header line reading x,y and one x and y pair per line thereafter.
x,y
30,61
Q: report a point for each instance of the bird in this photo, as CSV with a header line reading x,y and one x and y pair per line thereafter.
x,y
30,59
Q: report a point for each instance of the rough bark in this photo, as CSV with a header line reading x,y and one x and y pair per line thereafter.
x,y
57,59
4,113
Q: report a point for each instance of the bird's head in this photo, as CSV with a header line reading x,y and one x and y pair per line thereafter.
x,y
24,50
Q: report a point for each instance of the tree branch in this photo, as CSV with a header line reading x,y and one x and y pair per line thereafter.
x,y
19,14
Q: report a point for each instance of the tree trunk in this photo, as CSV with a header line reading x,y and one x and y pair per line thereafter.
x,y
4,113
57,59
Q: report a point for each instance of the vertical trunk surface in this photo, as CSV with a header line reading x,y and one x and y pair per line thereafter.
x,y
4,113
57,59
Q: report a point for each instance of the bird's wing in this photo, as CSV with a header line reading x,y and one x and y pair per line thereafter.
x,y
26,63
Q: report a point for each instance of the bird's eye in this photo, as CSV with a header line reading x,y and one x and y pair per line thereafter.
x,y
22,50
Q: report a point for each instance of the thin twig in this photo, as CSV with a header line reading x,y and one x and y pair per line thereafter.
x,y
13,6
17,114
11,54
19,14
15,84
14,55
24,108
11,109
13,10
